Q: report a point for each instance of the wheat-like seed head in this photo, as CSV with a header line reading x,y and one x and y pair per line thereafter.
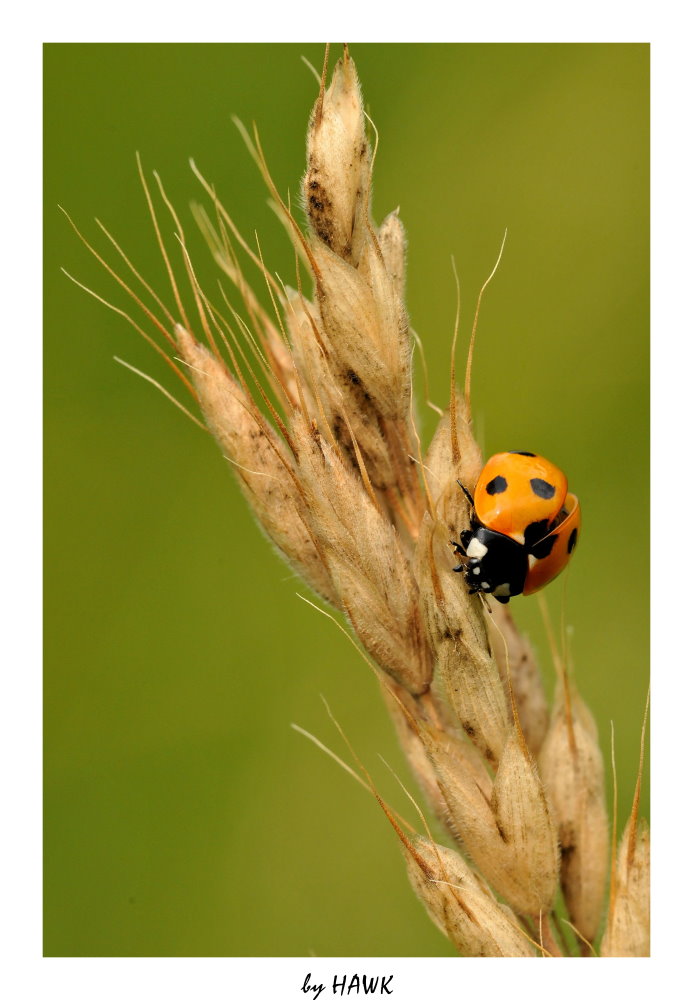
x,y
325,447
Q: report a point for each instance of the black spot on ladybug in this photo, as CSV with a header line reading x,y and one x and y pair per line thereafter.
x,y
535,531
529,454
497,485
542,488
572,540
542,549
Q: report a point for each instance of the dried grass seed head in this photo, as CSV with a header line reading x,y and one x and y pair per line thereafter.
x,y
332,492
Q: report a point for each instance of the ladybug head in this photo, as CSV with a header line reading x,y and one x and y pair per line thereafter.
x,y
496,565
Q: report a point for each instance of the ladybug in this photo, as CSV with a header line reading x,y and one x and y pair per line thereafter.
x,y
524,526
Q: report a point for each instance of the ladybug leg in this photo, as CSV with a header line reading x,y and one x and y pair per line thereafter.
x,y
466,493
459,551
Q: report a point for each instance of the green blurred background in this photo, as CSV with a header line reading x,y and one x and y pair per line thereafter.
x,y
183,816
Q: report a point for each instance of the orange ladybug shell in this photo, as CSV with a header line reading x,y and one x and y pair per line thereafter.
x,y
565,535
517,488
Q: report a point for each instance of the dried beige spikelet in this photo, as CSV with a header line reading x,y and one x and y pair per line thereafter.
x,y
627,932
393,245
453,454
388,296
260,462
461,906
364,333
528,831
466,790
494,822
367,566
307,352
337,181
457,636
435,750
383,636
365,327
409,714
366,330
523,674
332,404
572,769
478,813
450,752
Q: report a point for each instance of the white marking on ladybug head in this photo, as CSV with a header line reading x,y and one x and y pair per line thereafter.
x,y
502,590
532,560
485,585
476,571
476,549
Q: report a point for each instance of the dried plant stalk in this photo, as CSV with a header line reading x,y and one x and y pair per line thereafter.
x,y
310,399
